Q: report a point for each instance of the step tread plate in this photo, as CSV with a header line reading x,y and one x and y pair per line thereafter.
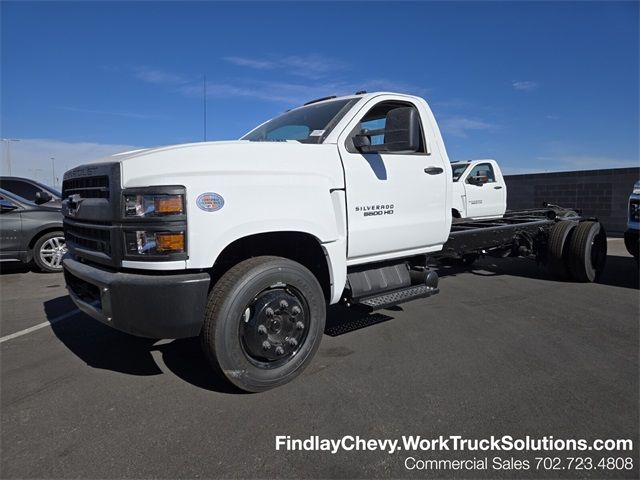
x,y
396,297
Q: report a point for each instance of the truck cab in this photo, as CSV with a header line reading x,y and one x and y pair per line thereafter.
x,y
479,189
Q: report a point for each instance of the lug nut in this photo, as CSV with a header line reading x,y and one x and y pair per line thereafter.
x,y
262,330
292,342
295,310
300,325
266,345
279,351
269,312
283,304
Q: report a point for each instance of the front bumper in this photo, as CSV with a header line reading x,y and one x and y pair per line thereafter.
x,y
146,305
632,241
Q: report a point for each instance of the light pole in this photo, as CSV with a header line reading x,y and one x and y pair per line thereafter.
x,y
53,172
7,142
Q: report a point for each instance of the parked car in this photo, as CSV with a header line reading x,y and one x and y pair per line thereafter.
x,y
31,232
31,190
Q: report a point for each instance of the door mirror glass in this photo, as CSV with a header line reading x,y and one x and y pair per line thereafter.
x,y
42,197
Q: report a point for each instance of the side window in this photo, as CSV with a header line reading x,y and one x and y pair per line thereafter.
x,y
374,123
484,170
22,189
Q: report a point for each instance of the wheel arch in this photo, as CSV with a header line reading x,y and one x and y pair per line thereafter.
x,y
35,236
300,247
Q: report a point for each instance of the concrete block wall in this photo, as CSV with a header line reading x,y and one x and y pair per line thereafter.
x,y
600,193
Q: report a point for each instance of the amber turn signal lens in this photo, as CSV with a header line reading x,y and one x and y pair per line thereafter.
x,y
170,242
169,204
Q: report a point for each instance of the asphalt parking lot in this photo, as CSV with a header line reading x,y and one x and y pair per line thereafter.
x,y
503,349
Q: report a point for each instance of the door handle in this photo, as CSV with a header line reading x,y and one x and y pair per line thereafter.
x,y
433,170
498,187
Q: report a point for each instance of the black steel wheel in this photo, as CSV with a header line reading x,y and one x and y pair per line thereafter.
x,y
587,252
264,321
558,249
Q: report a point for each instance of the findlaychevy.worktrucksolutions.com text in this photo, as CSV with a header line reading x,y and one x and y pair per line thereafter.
x,y
505,443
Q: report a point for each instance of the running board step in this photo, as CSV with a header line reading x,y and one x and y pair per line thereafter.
x,y
402,295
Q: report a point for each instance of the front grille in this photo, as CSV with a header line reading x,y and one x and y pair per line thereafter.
x,y
95,239
634,210
87,187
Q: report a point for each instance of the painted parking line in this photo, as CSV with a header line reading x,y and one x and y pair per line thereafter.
x,y
39,326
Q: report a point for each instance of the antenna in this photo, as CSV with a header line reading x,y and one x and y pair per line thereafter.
x,y
204,107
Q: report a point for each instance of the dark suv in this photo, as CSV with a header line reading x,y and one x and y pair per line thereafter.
x,y
31,231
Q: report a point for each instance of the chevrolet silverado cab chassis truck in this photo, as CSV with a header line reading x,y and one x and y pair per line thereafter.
x,y
245,243
479,190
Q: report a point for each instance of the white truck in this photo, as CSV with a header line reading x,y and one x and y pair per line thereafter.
x,y
246,242
479,189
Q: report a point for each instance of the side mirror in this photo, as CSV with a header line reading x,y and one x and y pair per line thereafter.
x,y
42,197
402,130
6,206
401,133
478,180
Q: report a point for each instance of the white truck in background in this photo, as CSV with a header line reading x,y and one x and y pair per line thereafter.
x,y
479,190
245,243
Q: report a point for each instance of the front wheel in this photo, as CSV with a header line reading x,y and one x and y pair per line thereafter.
x,y
264,321
48,252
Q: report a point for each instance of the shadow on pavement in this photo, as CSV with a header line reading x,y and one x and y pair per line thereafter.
x,y
100,346
7,268
618,272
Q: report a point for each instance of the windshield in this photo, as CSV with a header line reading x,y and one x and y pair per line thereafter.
x,y
458,169
310,124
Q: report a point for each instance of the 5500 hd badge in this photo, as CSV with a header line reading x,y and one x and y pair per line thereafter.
x,y
372,210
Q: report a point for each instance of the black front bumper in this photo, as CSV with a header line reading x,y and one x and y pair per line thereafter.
x,y
158,305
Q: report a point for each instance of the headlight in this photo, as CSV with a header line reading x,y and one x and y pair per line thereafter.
x,y
153,205
142,242
636,188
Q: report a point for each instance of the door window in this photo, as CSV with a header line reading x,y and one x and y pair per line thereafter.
x,y
483,170
22,189
374,123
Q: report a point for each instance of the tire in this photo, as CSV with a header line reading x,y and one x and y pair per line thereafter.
x,y
587,252
254,314
558,249
48,251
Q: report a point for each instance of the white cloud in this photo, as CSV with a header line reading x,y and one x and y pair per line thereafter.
x,y
160,77
290,93
525,85
31,157
458,126
588,162
107,112
309,66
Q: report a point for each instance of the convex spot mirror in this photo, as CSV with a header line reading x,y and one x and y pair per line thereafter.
x,y
401,133
42,197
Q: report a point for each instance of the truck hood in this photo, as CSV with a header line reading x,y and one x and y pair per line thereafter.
x,y
176,164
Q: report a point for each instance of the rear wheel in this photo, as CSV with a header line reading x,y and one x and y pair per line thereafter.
x,y
587,252
558,249
48,252
264,321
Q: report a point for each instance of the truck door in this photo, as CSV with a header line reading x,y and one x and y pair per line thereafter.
x,y
485,192
396,201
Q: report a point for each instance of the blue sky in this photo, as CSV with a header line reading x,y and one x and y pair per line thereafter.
x,y
539,86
